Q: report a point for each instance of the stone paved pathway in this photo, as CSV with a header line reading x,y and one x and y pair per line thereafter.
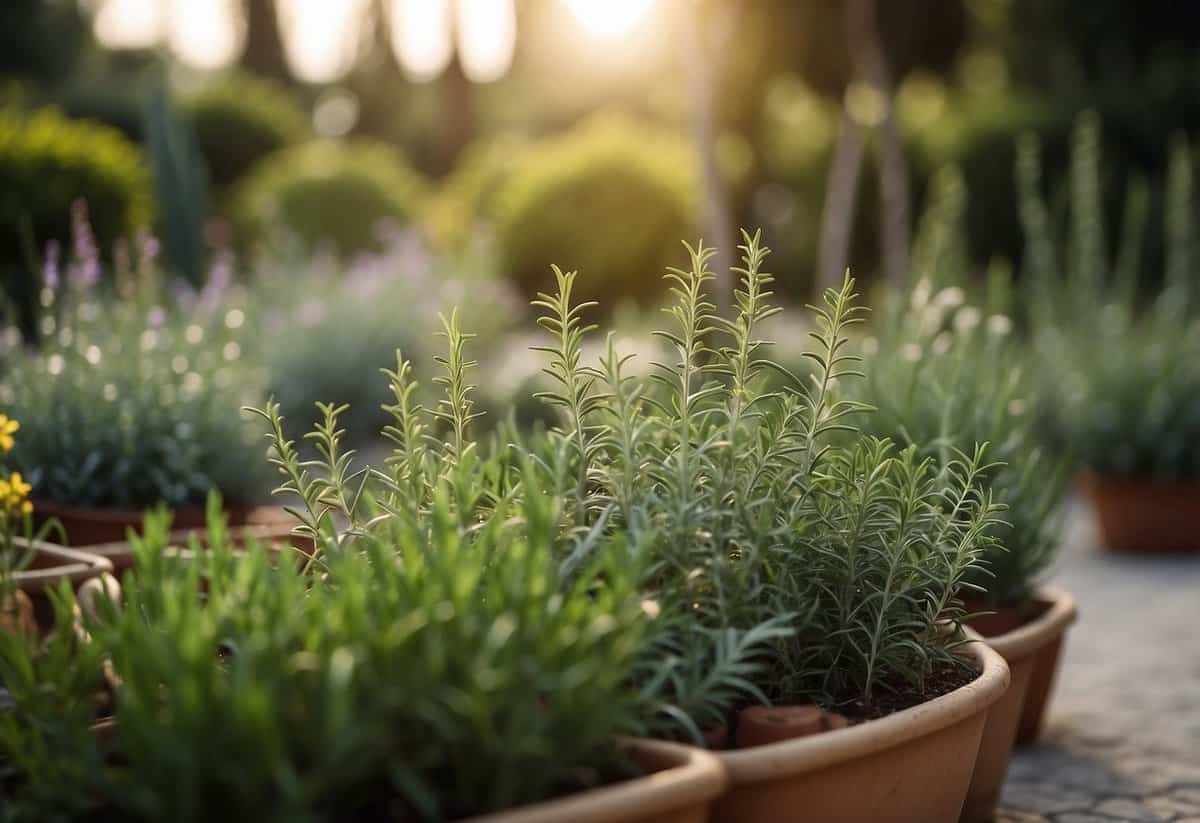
x,y
1122,741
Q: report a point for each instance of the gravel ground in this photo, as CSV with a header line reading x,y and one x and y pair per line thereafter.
x,y
1122,741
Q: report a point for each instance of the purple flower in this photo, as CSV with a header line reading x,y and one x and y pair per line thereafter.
x,y
148,251
86,269
50,275
220,275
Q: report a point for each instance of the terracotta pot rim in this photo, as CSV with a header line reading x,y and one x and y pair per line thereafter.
x,y
692,779
1140,482
1031,638
790,757
267,535
118,516
76,566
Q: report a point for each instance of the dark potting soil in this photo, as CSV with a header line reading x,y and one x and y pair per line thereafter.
x,y
900,696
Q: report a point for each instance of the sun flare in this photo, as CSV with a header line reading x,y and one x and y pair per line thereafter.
x,y
609,18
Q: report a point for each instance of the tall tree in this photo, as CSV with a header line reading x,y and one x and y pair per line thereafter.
x,y
264,46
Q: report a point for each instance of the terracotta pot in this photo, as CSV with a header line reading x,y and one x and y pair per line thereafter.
x,y
913,765
277,538
682,783
1031,651
90,527
49,566
1141,515
763,725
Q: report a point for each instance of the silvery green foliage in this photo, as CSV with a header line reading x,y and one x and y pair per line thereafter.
x,y
429,672
944,376
327,326
794,557
1122,369
130,395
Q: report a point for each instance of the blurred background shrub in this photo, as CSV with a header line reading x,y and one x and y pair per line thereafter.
x,y
328,192
326,328
610,198
48,163
238,119
131,393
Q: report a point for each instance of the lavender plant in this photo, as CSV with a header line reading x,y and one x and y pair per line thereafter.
x,y
129,395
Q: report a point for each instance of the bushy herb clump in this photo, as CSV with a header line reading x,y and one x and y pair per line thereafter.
x,y
809,562
129,395
429,673
1122,368
326,326
472,630
943,377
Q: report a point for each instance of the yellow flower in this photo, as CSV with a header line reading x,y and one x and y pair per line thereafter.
x,y
14,491
8,428
19,487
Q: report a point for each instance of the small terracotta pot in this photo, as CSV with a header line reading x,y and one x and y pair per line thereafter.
x,y
681,783
1031,651
48,567
90,527
913,765
277,538
1145,516
762,725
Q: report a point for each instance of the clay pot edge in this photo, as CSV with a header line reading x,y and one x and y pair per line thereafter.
x,y
1030,638
777,760
692,778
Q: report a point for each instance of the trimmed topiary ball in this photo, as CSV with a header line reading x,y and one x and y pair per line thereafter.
x,y
602,198
47,162
241,118
326,191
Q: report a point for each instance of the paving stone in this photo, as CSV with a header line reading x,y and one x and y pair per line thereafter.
x,y
1122,741
1134,811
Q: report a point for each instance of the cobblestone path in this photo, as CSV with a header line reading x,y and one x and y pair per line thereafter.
x,y
1122,741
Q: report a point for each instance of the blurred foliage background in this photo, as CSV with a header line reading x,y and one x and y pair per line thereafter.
x,y
369,163
336,122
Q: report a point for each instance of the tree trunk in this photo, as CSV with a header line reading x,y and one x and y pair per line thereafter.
x,y
264,47
841,192
704,57
862,29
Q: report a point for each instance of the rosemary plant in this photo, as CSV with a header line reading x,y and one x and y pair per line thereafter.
x,y
804,560
430,673
942,376
1123,370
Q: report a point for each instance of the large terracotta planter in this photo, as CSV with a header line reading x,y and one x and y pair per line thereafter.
x,y
912,766
90,527
49,566
1029,641
1142,515
681,783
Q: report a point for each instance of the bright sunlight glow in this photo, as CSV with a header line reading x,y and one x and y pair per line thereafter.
x,y
609,18
205,35
129,24
321,37
487,33
420,34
